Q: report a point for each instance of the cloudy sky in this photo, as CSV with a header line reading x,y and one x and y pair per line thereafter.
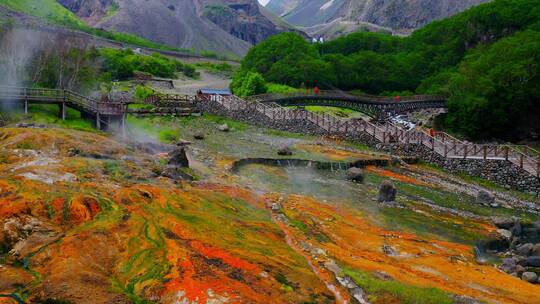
x,y
264,2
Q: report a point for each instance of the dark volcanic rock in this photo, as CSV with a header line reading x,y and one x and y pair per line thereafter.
x,y
485,198
285,151
355,174
524,249
178,158
533,261
504,222
387,192
176,173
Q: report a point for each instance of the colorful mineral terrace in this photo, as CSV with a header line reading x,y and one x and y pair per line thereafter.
x,y
88,217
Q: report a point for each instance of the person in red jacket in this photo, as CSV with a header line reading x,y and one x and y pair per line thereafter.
x,y
316,90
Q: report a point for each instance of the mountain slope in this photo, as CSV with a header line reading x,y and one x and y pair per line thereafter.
x,y
226,27
333,17
222,26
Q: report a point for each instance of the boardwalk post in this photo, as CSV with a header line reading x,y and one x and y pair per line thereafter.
x,y
506,153
62,110
485,152
26,105
98,121
521,160
465,148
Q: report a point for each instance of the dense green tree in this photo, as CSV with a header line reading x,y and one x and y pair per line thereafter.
x,y
496,90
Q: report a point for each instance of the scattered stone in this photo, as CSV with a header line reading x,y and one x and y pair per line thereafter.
x,y
381,275
199,136
224,128
387,192
389,250
394,161
516,230
183,143
535,250
533,261
520,269
504,222
537,224
506,234
355,174
508,265
276,207
178,158
176,173
524,249
530,277
484,197
74,152
285,151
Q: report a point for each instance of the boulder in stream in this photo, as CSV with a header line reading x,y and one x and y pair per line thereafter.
x,y
387,192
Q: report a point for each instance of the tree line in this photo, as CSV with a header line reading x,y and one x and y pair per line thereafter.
x,y
486,60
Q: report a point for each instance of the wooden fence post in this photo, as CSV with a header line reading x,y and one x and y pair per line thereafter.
x,y
485,152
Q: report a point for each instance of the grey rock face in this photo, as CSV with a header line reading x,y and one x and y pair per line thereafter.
x,y
387,192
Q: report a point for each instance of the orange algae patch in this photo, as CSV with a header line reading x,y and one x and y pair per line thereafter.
x,y
396,176
83,209
421,262
230,260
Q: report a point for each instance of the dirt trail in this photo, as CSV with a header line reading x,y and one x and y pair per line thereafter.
x,y
206,80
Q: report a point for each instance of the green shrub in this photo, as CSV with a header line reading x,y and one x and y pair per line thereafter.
x,y
248,84
142,92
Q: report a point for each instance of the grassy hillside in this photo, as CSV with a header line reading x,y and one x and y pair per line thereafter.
x,y
46,9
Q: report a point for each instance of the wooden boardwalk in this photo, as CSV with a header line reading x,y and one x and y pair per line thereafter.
x,y
442,144
104,113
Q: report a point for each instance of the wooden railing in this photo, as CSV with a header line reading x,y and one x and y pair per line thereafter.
x,y
442,144
56,95
344,96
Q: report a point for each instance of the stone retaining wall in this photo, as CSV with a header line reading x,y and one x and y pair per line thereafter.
x,y
502,172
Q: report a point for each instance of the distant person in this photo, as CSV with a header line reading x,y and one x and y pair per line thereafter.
x,y
316,90
314,40
321,40
397,98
